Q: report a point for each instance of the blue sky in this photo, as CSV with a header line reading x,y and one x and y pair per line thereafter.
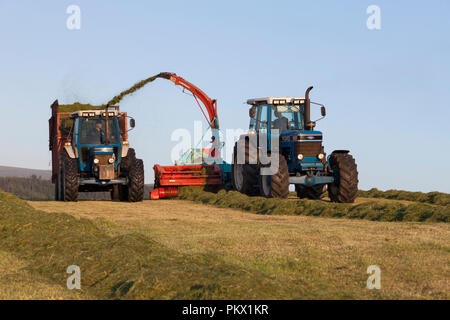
x,y
386,91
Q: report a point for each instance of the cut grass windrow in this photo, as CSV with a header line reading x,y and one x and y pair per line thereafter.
x,y
438,198
372,210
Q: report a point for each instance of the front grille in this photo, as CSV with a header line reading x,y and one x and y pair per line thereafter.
x,y
103,159
106,172
308,149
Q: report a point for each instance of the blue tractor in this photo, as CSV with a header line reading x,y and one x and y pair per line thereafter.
x,y
91,153
282,148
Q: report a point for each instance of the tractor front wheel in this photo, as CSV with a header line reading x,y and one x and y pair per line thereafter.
x,y
69,179
345,186
244,175
128,161
276,185
136,181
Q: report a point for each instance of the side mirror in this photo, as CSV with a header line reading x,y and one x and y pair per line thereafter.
x,y
252,112
132,123
323,111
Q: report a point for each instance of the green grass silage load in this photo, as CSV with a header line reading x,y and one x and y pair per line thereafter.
x,y
77,106
128,266
373,210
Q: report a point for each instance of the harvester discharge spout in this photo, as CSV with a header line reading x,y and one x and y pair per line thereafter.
x,y
200,167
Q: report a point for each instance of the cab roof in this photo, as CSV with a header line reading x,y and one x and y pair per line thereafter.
x,y
280,100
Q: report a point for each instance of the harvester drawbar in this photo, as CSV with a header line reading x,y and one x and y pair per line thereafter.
x,y
197,167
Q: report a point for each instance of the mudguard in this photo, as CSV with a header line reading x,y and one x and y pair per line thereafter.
x,y
70,152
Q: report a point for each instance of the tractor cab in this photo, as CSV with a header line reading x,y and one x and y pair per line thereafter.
x,y
282,126
300,144
98,144
91,153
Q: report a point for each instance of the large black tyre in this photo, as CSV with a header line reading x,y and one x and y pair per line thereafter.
x,y
127,161
244,176
345,187
69,178
136,181
276,185
314,192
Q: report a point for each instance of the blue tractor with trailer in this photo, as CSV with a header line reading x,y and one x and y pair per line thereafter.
x,y
282,126
91,153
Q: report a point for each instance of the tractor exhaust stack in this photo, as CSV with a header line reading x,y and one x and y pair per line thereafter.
x,y
308,124
107,125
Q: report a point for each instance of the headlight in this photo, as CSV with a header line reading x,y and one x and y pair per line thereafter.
x,y
96,161
300,156
320,156
111,160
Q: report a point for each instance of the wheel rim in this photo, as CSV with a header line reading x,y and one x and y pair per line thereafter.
x,y
239,176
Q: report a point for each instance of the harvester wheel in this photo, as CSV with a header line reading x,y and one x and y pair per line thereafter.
x,y
314,192
69,179
244,176
136,181
345,187
276,185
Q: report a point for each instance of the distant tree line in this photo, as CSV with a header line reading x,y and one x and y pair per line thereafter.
x,y
33,188
38,189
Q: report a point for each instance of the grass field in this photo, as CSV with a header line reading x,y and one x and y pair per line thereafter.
x,y
175,249
289,257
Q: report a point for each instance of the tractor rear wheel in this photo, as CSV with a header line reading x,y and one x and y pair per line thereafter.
x,y
345,186
244,176
136,181
69,178
276,185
